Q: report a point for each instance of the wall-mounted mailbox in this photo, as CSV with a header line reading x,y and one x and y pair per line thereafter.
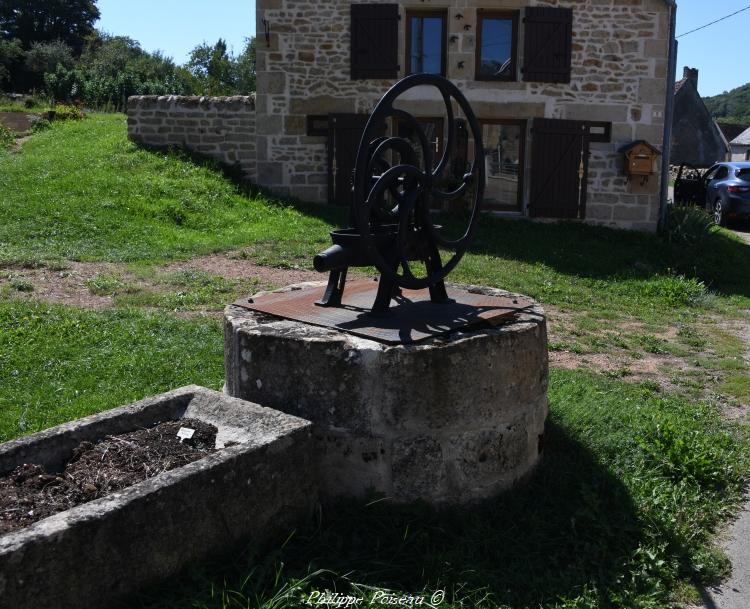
x,y
641,160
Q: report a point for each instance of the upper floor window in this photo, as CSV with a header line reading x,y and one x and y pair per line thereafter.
x,y
425,42
496,45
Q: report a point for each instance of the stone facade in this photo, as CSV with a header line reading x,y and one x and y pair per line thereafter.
x,y
222,128
620,52
619,75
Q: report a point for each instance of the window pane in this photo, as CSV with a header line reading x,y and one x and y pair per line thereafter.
x,y
502,149
743,174
433,131
426,45
497,48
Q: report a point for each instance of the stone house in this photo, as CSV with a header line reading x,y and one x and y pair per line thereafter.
x,y
740,147
560,88
696,137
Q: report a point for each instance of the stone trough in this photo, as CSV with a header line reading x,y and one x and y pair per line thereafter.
x,y
258,486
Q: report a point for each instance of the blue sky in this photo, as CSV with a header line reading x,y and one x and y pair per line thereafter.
x,y
176,26
719,51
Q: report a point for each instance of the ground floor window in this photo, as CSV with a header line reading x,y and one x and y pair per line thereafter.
x,y
433,132
504,159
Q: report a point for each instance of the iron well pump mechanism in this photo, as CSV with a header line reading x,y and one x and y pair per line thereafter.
x,y
394,186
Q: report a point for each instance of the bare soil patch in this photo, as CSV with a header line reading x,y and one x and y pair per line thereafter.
x,y
231,267
30,493
60,286
69,285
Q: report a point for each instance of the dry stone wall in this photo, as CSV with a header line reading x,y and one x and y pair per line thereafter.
x,y
222,128
619,75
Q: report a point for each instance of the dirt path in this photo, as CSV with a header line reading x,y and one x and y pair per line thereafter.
x,y
71,285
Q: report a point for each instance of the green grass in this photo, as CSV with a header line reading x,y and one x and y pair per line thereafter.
x,y
81,191
187,290
60,363
15,106
634,481
619,514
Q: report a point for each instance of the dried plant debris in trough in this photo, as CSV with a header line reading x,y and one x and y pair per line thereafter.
x,y
30,493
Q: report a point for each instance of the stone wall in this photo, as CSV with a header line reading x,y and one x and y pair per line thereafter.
x,y
222,128
619,75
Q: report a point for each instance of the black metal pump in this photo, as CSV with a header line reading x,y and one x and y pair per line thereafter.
x,y
391,221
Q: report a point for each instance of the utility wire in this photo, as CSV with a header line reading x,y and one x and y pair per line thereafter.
x,y
717,21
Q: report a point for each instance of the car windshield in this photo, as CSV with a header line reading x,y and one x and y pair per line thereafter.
x,y
744,174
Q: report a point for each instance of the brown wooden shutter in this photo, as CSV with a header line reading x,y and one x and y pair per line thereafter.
x,y
559,168
374,41
548,35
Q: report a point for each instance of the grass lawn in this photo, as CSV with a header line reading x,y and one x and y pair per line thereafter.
x,y
637,474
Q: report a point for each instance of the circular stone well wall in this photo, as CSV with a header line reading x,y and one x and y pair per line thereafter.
x,y
449,420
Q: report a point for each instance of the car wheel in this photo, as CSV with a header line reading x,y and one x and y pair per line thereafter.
x,y
719,217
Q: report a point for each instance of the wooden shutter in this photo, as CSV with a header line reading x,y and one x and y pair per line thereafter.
x,y
548,36
559,168
374,41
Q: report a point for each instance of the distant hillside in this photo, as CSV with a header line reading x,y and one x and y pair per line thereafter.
x,y
732,106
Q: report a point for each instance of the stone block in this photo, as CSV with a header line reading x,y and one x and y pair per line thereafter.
x,y
652,90
270,173
615,113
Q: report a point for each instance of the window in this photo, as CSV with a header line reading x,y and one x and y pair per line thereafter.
x,y
600,131
433,131
425,42
317,125
711,173
504,158
496,45
722,173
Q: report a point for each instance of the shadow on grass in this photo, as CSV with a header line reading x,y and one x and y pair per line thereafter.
x,y
567,530
718,259
571,248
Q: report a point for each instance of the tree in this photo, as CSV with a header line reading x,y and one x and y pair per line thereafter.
x,y
213,68
30,21
11,56
48,57
245,66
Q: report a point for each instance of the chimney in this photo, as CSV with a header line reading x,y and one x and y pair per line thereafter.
x,y
691,74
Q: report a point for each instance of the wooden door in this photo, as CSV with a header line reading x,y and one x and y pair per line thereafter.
x,y
559,169
344,134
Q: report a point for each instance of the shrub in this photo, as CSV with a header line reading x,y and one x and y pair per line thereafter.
x,y
65,112
40,125
688,225
6,137
676,290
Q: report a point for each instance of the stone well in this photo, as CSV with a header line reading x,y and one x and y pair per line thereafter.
x,y
452,419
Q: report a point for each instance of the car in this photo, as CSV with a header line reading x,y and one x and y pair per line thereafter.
x,y
726,189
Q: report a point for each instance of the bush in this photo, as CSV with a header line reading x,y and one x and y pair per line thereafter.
x,y
688,225
676,290
6,137
65,112
40,125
